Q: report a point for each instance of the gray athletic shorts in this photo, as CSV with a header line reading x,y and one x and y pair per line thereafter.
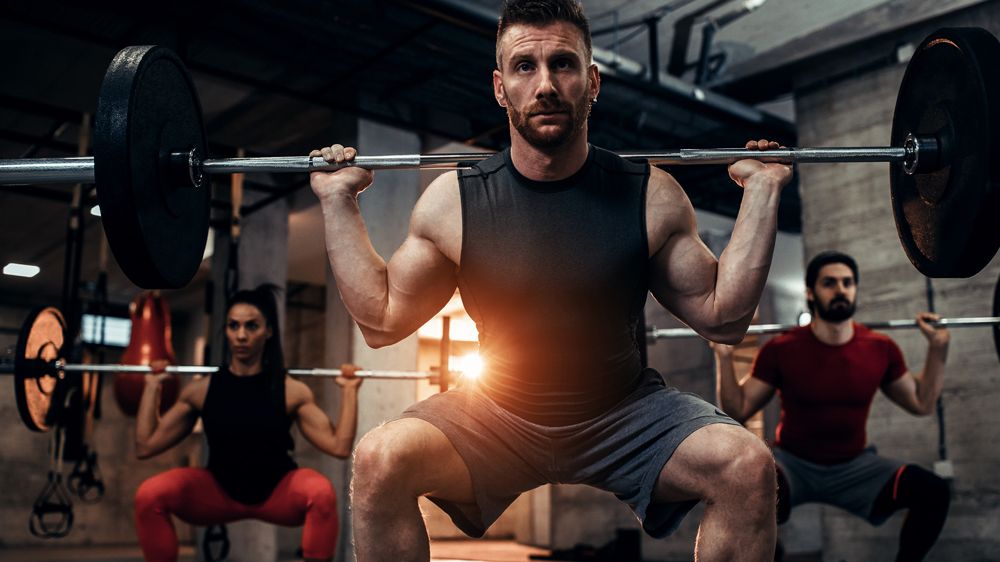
x,y
622,452
853,485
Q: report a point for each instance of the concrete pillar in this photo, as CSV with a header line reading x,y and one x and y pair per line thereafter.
x,y
339,336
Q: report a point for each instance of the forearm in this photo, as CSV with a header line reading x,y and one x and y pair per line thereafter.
x,y
931,381
146,418
358,269
347,426
729,392
745,262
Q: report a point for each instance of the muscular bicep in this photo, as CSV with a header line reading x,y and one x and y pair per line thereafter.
x,y
174,425
683,271
313,422
903,391
315,425
420,280
421,275
682,277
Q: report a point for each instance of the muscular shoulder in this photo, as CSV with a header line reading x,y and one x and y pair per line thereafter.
x,y
668,209
297,393
195,392
440,198
437,215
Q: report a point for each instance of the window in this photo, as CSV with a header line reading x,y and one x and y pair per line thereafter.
x,y
117,331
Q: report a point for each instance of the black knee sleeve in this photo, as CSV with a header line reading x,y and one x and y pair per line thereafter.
x,y
919,488
926,496
911,485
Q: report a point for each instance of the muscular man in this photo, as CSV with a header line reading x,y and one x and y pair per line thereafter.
x,y
827,374
247,408
554,244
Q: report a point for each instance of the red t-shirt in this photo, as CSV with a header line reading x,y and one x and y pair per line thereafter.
x,y
826,391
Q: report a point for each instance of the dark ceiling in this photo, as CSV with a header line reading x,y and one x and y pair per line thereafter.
x,y
280,78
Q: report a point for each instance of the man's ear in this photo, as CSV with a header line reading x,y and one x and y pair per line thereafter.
x,y
595,82
498,91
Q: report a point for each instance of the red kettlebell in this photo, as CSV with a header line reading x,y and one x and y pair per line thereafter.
x,y
150,340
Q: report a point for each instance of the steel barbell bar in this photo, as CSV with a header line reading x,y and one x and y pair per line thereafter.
x,y
654,334
81,169
59,366
41,372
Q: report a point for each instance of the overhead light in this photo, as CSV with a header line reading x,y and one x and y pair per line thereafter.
x,y
805,318
752,5
21,270
95,210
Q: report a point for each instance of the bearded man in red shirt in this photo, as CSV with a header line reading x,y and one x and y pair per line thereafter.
x,y
826,375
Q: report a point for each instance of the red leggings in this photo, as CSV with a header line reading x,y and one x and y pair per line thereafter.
x,y
193,495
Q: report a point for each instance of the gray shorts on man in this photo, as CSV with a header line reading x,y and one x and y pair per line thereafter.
x,y
622,451
853,485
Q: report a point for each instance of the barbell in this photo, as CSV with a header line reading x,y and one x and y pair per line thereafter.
x,y
653,334
151,167
48,367
41,372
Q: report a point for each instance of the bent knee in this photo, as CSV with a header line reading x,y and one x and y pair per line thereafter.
x,y
151,495
751,468
385,454
375,454
323,496
920,486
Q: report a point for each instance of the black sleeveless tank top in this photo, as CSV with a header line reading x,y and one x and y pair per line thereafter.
x,y
248,432
555,276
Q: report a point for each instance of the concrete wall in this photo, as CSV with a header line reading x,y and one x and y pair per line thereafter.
x,y
846,207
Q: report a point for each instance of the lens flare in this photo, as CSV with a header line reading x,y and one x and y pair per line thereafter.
x,y
470,365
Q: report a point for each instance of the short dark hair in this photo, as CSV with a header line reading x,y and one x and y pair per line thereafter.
x,y
826,258
542,12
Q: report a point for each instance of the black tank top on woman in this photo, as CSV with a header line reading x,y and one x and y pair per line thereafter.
x,y
555,276
248,432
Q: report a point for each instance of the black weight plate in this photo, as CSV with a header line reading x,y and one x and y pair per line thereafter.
x,y
946,218
155,224
41,338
